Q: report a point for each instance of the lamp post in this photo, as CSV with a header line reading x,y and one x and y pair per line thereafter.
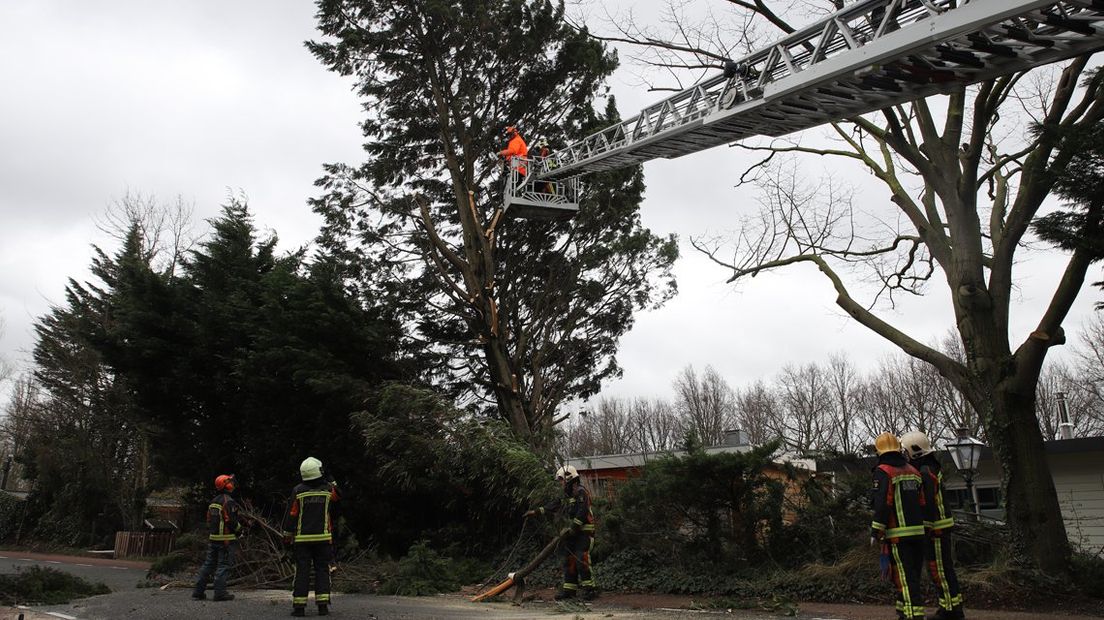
x,y
966,452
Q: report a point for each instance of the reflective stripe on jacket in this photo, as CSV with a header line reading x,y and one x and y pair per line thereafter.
x,y
309,517
223,524
575,506
936,518
897,498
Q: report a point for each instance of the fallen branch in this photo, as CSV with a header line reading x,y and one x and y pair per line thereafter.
x,y
517,578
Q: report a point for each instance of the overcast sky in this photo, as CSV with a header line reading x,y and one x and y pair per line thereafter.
x,y
198,99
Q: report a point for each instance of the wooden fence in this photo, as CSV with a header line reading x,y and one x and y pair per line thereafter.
x,y
143,544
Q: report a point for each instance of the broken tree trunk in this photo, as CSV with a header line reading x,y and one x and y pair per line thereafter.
x,y
517,578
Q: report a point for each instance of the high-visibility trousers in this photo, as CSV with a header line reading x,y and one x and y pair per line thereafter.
x,y
906,565
942,571
308,556
576,561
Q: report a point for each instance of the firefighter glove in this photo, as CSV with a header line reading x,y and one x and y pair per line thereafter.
x,y
530,513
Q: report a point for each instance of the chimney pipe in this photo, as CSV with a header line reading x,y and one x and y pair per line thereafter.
x,y
1065,428
735,437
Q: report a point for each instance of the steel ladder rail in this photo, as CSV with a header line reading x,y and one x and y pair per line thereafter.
x,y
867,56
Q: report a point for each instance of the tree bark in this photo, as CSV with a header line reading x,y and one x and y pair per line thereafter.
x,y
1031,502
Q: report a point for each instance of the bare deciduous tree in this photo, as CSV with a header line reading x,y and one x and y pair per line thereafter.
x,y
707,404
757,407
983,179
807,422
164,230
844,382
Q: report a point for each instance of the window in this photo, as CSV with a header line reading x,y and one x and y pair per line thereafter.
x,y
989,498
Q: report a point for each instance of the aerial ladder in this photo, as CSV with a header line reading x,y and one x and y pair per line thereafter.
x,y
864,57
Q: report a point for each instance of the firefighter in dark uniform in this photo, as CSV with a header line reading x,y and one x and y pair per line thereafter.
x,y
939,525
578,536
309,525
223,528
898,502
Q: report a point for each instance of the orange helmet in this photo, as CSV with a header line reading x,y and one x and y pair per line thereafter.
x,y
511,130
226,482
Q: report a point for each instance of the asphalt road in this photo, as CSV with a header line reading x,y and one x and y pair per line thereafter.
x,y
115,574
175,604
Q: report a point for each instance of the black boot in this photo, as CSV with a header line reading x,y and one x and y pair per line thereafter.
x,y
563,595
948,614
323,609
298,611
589,593
225,596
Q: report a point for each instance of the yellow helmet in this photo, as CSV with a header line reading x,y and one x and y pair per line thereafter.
x,y
887,442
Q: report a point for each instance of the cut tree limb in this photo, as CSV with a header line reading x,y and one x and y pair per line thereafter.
x,y
518,578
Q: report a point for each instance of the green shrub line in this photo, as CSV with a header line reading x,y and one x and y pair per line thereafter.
x,y
45,586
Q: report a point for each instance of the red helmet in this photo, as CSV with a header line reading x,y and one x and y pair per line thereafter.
x,y
226,482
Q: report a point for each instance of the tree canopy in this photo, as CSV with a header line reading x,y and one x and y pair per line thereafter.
x,y
517,317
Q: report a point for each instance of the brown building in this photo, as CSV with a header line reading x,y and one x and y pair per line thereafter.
x,y
604,473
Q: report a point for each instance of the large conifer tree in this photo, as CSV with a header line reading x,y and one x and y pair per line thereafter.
x,y
530,316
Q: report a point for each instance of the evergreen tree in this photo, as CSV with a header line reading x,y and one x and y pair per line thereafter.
x,y
252,361
1081,185
522,316
87,446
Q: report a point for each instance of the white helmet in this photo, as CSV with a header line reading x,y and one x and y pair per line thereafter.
x,y
310,469
567,473
916,444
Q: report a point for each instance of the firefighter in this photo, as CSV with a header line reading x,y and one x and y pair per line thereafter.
x,y
898,502
309,526
938,525
550,164
224,525
577,539
516,147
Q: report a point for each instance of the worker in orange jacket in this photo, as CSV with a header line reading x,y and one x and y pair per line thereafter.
x,y
515,148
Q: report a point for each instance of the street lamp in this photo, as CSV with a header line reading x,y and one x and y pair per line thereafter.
x,y
966,452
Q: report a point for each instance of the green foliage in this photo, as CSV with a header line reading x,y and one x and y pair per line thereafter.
x,y
45,586
715,508
422,571
11,514
1088,574
252,360
172,563
83,434
828,520
565,292
239,360
420,452
1079,176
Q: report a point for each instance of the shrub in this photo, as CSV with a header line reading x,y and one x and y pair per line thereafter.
x,y
11,515
171,564
45,586
423,571
1088,574
421,451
